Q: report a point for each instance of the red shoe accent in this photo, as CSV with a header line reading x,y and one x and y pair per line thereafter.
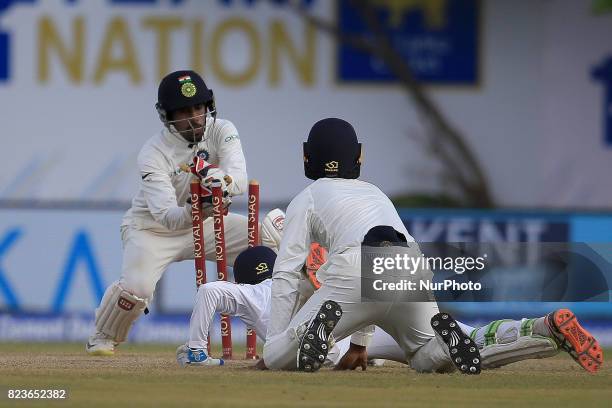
x,y
573,338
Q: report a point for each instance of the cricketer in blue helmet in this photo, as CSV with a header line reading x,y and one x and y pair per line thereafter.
x,y
156,231
341,212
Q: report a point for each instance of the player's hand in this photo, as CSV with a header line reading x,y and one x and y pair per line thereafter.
x,y
260,365
355,356
207,203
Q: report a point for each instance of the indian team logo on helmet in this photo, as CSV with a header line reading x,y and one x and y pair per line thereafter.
x,y
261,268
331,167
188,89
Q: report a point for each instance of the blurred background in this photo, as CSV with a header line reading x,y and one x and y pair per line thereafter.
x,y
485,121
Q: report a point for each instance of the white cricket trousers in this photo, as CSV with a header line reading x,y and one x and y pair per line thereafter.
x,y
147,254
408,323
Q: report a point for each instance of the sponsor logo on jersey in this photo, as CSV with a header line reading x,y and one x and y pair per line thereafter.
x,y
231,137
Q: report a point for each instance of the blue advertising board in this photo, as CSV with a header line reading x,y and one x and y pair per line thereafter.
x,y
437,39
55,264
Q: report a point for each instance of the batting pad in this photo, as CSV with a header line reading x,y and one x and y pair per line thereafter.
x,y
525,347
272,229
118,312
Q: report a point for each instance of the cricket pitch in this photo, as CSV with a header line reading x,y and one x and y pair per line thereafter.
x,y
146,375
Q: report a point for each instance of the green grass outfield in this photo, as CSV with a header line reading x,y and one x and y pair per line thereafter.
x,y
148,376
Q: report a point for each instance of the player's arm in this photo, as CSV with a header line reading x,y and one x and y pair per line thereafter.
x,y
231,158
357,355
292,255
160,195
212,298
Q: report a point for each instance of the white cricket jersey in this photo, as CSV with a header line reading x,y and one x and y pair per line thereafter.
x,y
251,303
336,213
160,203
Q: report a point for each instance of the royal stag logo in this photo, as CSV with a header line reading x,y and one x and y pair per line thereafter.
x,y
225,326
261,268
197,245
252,207
200,276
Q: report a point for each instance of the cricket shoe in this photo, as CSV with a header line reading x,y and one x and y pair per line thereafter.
x,y
463,351
315,342
186,356
100,345
573,338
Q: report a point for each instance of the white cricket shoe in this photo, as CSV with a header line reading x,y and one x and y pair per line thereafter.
x,y
100,345
186,356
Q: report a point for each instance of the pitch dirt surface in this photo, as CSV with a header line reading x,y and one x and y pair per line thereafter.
x,y
148,376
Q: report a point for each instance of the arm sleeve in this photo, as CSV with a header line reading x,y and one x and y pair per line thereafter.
x,y
292,255
212,297
231,158
160,196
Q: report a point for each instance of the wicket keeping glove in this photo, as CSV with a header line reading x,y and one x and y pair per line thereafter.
x,y
209,173
207,205
207,200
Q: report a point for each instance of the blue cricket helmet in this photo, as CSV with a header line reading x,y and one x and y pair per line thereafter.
x,y
254,265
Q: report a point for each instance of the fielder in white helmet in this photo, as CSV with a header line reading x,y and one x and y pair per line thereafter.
x,y
156,230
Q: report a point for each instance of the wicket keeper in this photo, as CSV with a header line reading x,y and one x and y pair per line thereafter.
x,y
156,230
